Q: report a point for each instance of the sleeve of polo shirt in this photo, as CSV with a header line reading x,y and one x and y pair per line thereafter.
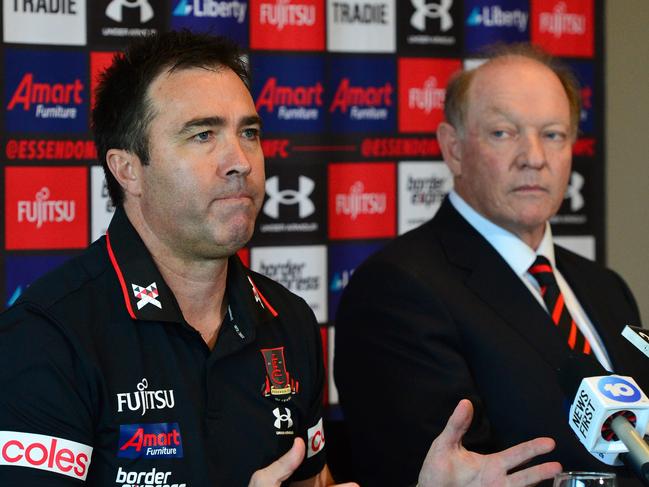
x,y
313,433
46,427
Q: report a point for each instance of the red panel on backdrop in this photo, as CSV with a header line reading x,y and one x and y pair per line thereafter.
x,y
295,25
563,28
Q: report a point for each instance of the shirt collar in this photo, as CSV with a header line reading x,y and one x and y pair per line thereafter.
x,y
148,297
518,255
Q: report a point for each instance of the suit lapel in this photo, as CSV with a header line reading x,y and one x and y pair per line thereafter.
x,y
491,279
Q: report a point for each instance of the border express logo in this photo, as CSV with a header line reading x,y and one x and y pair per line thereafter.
x,y
488,21
364,96
361,26
289,93
61,22
294,25
46,91
46,207
22,270
152,440
228,18
361,200
564,28
426,24
422,89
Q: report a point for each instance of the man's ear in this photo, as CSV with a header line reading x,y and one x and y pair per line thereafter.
x,y
127,169
449,143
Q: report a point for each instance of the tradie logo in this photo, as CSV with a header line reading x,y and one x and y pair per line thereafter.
x,y
30,92
211,9
573,192
289,197
284,97
560,22
495,16
115,8
356,202
283,13
283,419
433,10
146,295
427,98
43,210
360,13
145,400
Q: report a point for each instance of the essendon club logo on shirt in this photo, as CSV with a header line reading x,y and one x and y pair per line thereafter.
x,y
46,207
361,200
46,91
152,440
422,89
287,25
43,452
563,28
279,384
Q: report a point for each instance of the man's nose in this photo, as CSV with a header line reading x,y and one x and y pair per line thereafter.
x,y
234,159
532,151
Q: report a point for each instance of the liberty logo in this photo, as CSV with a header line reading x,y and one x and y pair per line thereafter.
x,y
431,10
289,197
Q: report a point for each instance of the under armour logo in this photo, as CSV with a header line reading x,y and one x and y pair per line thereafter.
x,y
146,295
282,418
289,197
573,193
114,9
431,10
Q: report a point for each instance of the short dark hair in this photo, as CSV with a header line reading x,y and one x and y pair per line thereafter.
x,y
455,104
123,111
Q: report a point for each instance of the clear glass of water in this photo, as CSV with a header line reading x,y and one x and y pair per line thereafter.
x,y
585,479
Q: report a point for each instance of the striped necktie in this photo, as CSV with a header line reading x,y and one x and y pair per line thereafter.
x,y
541,270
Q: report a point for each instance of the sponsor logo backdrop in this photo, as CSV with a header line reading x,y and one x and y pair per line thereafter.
x,y
350,91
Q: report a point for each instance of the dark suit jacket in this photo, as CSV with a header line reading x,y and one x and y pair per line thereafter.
x,y
437,316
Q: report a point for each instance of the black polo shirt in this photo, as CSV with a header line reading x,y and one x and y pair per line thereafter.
x,y
102,378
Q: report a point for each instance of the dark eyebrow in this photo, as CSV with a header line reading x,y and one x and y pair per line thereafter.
x,y
251,120
201,122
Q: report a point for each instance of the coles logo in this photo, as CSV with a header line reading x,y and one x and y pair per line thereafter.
x,y
563,28
225,17
152,440
315,439
287,25
361,200
43,452
46,91
46,207
422,88
289,93
364,97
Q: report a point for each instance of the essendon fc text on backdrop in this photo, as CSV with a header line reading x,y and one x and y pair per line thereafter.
x,y
50,150
563,28
422,88
225,17
289,93
364,95
295,25
300,269
46,91
361,200
46,207
361,26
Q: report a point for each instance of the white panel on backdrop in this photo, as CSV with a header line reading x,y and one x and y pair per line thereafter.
x,y
422,187
582,245
333,390
300,269
101,208
361,26
29,22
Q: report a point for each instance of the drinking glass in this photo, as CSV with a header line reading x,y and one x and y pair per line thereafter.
x,y
585,479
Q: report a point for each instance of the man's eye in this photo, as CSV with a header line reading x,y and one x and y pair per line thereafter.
x,y
558,136
251,133
499,134
203,136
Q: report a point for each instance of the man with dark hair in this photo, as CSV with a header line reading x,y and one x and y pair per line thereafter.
x,y
156,357
478,303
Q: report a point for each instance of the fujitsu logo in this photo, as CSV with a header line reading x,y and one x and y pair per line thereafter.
x,y
144,400
357,202
292,102
43,210
427,98
29,92
283,13
357,97
433,10
559,22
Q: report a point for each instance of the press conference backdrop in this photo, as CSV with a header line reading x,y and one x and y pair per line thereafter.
x,y
350,93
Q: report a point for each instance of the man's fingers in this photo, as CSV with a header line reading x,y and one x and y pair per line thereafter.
x,y
534,475
282,468
457,425
523,452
